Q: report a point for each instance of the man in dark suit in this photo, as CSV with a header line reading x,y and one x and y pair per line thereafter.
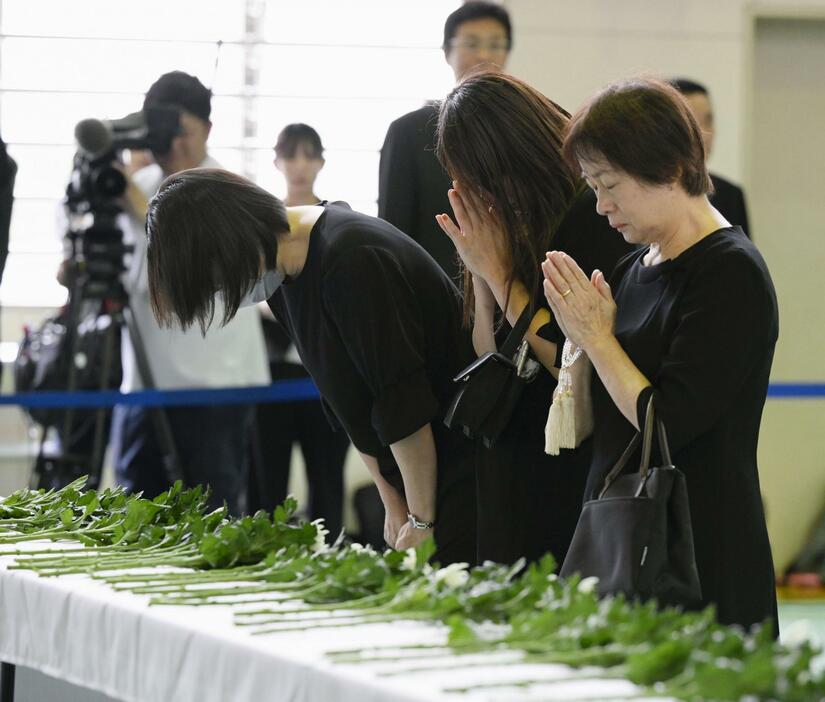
x,y
412,185
8,171
727,197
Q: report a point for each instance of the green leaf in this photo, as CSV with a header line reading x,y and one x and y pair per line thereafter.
x,y
460,633
660,663
66,517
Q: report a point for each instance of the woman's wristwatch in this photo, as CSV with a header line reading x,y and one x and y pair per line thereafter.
x,y
416,524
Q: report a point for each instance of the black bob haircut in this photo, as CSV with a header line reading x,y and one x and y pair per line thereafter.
x,y
294,135
475,10
208,231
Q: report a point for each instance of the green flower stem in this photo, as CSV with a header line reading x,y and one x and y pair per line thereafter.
x,y
187,597
295,619
434,652
50,534
603,657
160,584
219,574
359,621
345,612
608,675
406,647
80,549
174,560
95,557
110,562
360,603
245,590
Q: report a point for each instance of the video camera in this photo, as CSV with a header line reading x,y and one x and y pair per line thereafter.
x,y
95,183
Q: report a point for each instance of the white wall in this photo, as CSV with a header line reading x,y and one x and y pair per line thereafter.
x,y
569,49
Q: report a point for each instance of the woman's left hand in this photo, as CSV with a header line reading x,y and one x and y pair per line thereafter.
x,y
478,235
411,538
584,308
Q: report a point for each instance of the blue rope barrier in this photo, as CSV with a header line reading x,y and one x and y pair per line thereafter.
x,y
281,391
796,391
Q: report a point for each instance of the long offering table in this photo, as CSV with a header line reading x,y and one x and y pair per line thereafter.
x,y
80,630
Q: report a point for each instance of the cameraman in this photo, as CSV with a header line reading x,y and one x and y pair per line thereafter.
x,y
211,441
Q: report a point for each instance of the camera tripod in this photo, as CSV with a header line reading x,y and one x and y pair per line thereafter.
x,y
96,268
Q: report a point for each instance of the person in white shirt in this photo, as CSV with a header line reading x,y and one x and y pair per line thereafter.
x,y
212,442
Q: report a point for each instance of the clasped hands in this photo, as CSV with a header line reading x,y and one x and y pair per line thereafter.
x,y
583,307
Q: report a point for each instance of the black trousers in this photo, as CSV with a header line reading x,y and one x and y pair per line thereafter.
x,y
282,424
212,444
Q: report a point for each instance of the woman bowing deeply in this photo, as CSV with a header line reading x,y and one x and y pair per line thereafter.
x,y
375,320
690,318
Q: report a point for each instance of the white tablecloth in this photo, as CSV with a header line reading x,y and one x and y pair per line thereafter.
x,y
82,631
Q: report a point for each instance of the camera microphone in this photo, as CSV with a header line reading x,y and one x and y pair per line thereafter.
x,y
96,137
93,137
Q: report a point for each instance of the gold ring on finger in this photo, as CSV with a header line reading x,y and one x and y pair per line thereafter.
x,y
567,292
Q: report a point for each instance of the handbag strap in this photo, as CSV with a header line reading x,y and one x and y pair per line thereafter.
x,y
616,471
516,335
646,437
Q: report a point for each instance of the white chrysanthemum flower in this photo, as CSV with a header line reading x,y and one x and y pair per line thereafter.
x,y
817,666
798,633
410,560
588,585
320,536
453,575
355,546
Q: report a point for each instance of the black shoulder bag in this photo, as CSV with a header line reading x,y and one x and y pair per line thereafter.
x,y
491,387
636,537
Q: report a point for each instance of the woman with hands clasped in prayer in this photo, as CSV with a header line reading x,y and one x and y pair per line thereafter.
x,y
513,198
690,318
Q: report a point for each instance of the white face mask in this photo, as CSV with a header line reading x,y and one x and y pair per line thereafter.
x,y
263,288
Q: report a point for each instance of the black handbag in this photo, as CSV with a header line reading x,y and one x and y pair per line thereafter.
x,y
491,387
636,537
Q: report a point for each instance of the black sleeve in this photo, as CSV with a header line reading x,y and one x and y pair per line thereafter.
x,y
8,171
726,325
382,327
397,184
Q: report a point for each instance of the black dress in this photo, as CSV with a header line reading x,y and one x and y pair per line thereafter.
x,y
702,328
412,185
529,502
377,325
729,199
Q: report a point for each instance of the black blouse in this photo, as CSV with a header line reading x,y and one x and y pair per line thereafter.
x,y
702,329
377,324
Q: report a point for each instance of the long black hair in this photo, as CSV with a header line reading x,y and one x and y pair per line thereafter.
x,y
502,138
